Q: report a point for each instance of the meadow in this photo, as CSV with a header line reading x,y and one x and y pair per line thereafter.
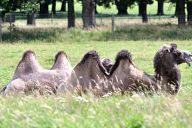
x,y
53,111
90,111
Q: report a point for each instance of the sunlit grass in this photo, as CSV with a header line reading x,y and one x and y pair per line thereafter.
x,y
89,111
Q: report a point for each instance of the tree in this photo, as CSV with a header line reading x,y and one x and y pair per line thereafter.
x,y
88,13
160,6
63,5
30,7
181,12
140,8
143,9
189,12
44,9
174,2
122,6
71,14
9,5
54,6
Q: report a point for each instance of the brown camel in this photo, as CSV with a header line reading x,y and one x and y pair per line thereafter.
x,y
90,73
30,76
125,75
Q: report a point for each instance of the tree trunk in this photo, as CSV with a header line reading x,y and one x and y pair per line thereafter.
x,y
181,12
140,8
44,10
88,13
96,12
71,14
189,12
176,8
63,6
122,6
144,11
54,6
1,35
31,19
160,11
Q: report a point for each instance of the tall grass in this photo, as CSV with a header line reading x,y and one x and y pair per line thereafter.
x,y
131,32
89,111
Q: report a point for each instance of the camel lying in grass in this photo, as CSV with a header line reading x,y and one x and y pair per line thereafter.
x,y
29,76
167,74
99,77
125,76
90,73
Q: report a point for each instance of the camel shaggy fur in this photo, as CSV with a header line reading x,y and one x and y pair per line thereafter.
x,y
125,75
30,76
90,73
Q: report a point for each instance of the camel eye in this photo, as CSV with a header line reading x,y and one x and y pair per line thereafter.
x,y
177,54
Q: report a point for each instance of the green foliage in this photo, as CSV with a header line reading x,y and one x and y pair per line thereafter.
x,y
9,5
30,6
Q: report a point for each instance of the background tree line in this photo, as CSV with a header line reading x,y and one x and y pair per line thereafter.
x,y
89,8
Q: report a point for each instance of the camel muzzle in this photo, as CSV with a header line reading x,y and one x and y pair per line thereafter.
x,y
187,57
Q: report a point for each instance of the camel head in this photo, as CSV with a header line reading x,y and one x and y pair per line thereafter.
x,y
107,63
165,63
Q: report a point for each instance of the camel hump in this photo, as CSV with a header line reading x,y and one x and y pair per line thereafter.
x,y
93,55
28,64
90,55
122,55
61,61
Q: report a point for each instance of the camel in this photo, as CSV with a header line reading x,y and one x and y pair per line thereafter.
x,y
30,76
125,75
89,73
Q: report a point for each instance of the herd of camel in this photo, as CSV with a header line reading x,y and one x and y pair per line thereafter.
x,y
99,77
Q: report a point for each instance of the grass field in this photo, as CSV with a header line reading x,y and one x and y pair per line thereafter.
x,y
47,38
89,111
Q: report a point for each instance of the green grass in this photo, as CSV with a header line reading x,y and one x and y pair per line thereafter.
x,y
90,111
129,32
